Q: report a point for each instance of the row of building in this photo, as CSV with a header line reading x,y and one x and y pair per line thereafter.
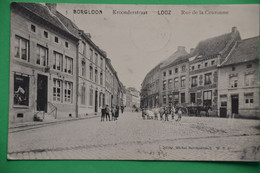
x,y
221,72
55,67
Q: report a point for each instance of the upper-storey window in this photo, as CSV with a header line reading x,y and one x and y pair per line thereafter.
x,y
206,64
42,56
176,70
183,68
164,73
21,48
170,72
96,58
66,44
57,65
45,33
68,65
56,39
33,28
208,79
194,81
91,54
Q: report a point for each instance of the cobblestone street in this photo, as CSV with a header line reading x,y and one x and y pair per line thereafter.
x,y
131,137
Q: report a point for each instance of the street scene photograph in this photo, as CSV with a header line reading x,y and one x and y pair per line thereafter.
x,y
134,82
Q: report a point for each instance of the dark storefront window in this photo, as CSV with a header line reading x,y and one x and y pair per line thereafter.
x,y
21,90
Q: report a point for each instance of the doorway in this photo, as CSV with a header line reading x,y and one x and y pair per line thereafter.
x,y
42,93
234,104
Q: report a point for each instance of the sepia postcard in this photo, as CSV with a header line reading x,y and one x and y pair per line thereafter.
x,y
134,82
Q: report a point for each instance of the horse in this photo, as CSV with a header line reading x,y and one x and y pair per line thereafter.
x,y
204,108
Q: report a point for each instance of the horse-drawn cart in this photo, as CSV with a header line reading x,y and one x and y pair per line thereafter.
x,y
194,110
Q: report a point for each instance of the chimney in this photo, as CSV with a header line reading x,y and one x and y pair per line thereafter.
x,y
52,7
191,50
234,29
181,48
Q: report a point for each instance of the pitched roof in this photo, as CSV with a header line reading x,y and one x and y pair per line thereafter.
x,y
68,24
42,12
180,52
219,45
245,50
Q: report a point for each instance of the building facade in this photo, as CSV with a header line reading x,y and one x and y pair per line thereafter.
x,y
238,75
132,97
175,75
91,76
42,64
203,68
150,88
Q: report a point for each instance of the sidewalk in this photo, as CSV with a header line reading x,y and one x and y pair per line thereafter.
x,y
50,121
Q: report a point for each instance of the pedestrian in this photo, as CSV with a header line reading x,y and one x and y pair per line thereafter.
x,y
166,113
103,113
143,113
113,113
173,112
117,112
161,113
122,109
179,115
107,113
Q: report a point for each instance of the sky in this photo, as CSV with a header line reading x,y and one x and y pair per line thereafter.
x,y
137,43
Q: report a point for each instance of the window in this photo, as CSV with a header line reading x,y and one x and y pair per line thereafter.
x,y
233,68
57,61
66,44
183,78
96,58
170,72
90,72
68,92
91,55
208,79
207,97
164,85
57,85
176,82
233,82
56,39
101,78
164,73
21,90
170,99
192,97
176,70
183,68
83,95
83,68
96,75
21,49
68,65
249,98
192,68
170,83
164,99
182,97
101,62
91,97
206,64
198,66
194,81
249,80
212,62
33,28
42,56
249,66
45,33
223,104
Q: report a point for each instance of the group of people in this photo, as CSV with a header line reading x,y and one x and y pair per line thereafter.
x,y
113,111
163,112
